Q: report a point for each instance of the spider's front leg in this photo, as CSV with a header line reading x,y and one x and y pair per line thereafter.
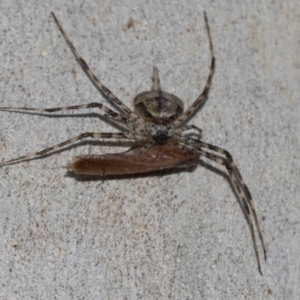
x,y
95,135
112,114
199,101
100,86
189,127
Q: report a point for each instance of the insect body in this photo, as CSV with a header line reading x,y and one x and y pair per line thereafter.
x,y
134,161
157,126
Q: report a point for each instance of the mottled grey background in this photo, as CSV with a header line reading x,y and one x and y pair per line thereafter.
x,y
177,236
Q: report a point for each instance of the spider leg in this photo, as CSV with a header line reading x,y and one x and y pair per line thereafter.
x,y
237,183
188,127
242,184
184,116
95,135
102,88
108,111
146,146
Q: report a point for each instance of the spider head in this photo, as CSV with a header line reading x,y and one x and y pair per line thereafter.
x,y
158,104
160,131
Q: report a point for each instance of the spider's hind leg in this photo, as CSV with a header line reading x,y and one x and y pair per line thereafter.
x,y
239,185
243,185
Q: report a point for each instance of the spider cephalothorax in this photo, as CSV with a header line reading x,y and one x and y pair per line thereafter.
x,y
160,130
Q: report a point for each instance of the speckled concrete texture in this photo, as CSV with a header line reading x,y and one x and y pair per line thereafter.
x,y
166,236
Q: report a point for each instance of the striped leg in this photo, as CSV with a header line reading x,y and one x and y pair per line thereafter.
x,y
95,135
146,146
182,118
240,187
188,127
108,111
242,184
102,88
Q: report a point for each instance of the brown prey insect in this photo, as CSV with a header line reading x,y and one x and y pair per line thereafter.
x,y
157,127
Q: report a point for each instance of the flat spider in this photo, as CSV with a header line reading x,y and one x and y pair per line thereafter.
x,y
156,124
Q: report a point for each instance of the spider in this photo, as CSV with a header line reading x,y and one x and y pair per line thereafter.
x,y
157,125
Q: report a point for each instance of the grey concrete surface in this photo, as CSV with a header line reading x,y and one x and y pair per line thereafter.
x,y
172,236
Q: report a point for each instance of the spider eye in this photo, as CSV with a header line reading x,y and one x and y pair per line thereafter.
x,y
158,104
